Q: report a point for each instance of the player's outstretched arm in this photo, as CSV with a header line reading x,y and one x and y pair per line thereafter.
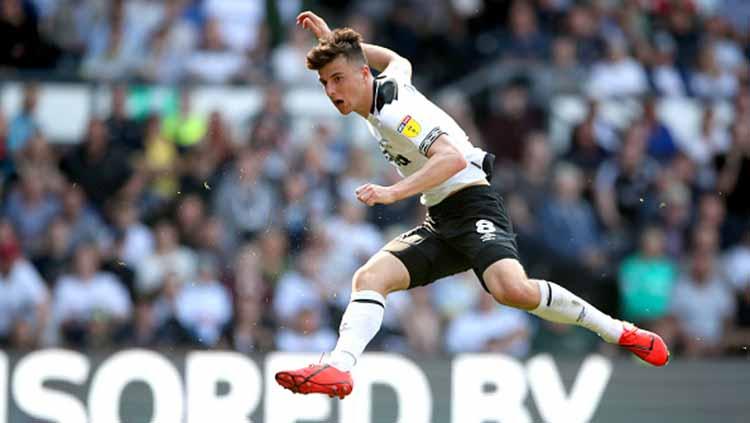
x,y
379,58
444,161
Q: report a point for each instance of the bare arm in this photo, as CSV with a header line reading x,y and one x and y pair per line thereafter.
x,y
387,61
379,58
444,162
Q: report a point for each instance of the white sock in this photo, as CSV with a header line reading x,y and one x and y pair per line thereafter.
x,y
562,306
360,323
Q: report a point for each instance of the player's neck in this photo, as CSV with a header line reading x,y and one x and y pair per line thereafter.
x,y
364,108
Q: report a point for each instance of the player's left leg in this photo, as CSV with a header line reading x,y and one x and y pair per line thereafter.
x,y
381,275
506,280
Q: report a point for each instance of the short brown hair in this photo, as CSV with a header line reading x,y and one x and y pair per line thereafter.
x,y
340,42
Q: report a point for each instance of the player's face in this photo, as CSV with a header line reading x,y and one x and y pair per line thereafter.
x,y
345,83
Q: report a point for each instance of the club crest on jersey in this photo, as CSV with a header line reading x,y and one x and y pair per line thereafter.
x,y
409,127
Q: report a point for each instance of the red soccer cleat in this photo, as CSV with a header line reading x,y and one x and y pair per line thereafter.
x,y
317,378
648,346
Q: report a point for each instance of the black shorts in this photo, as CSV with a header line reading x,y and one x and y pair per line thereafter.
x,y
470,229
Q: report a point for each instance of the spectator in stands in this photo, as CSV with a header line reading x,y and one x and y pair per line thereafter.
x,y
565,75
190,216
286,59
89,305
200,174
524,41
97,165
271,129
214,61
134,239
736,263
273,251
710,80
31,208
52,261
21,43
23,126
38,158
69,23
646,281
567,221
251,331
181,34
124,130
511,119
619,75
728,49
213,240
352,240
218,140
297,212
244,199
313,163
712,140
456,104
684,30
159,162
114,49
161,65
203,305
143,329
300,288
711,213
422,324
172,39
489,327
737,14
168,257
532,179
664,75
185,128
582,25
359,171
248,279
84,223
585,151
674,218
24,299
6,161
734,172
239,23
660,143
306,334
703,305
624,183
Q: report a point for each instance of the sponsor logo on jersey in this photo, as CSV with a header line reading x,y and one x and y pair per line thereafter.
x,y
409,127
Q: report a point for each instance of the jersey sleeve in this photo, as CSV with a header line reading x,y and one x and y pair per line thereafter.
x,y
410,119
398,72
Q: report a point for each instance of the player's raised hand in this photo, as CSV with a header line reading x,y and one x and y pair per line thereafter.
x,y
372,194
313,23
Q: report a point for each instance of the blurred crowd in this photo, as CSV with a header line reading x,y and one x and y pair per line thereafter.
x,y
171,229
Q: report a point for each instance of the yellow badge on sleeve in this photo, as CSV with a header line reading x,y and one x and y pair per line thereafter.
x,y
409,127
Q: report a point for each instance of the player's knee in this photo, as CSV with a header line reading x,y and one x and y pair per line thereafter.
x,y
368,280
513,292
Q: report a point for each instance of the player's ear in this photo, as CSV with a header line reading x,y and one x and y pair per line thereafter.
x,y
364,70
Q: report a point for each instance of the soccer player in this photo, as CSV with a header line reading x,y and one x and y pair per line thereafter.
x,y
466,227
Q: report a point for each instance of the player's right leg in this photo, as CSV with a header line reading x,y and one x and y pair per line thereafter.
x,y
506,280
381,275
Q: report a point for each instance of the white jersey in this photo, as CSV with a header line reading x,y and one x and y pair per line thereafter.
x,y
406,124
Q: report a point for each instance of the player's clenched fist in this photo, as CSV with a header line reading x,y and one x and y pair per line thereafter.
x,y
372,194
313,23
